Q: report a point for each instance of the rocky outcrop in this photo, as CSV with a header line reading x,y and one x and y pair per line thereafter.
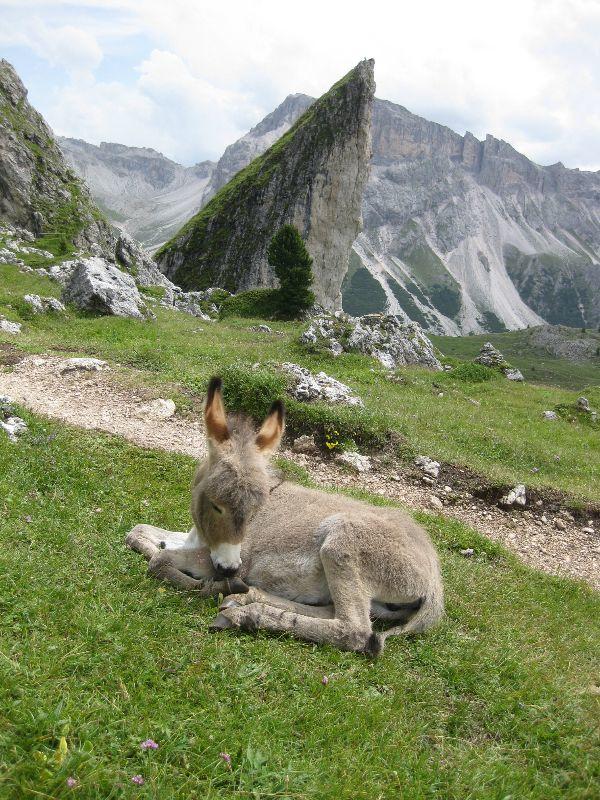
x,y
384,337
489,356
38,191
100,288
313,177
305,386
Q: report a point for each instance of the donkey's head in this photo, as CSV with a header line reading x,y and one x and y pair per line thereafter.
x,y
233,483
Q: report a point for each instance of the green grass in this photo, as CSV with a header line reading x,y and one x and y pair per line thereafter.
x,y
494,427
494,703
536,364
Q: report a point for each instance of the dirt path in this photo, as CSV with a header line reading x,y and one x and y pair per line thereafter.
x,y
97,401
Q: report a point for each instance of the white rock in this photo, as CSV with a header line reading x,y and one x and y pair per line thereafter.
x,y
261,329
308,387
40,305
550,415
516,495
587,530
435,502
513,374
82,365
428,465
355,461
157,409
305,445
13,427
10,327
96,285
467,552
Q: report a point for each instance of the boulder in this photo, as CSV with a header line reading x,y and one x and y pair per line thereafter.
x,y
583,404
382,336
82,365
157,409
516,496
96,285
308,387
428,466
305,445
356,461
10,327
41,305
12,425
513,374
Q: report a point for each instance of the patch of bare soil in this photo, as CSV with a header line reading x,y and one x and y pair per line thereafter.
x,y
550,539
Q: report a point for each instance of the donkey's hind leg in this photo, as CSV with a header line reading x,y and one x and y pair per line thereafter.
x,y
349,629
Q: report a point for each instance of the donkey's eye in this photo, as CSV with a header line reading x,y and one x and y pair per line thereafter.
x,y
217,509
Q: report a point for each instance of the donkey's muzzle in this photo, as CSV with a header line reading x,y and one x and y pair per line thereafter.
x,y
226,572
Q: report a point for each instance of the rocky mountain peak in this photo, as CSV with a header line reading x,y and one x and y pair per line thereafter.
x,y
313,178
13,87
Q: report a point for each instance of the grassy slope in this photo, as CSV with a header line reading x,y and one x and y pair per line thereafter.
x,y
504,437
536,365
495,703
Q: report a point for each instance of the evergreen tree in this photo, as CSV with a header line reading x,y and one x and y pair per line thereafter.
x,y
293,266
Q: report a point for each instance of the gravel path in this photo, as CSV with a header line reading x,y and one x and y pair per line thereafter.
x,y
96,401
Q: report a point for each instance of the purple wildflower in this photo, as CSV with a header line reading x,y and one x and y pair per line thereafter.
x,y
138,780
324,680
71,782
149,744
226,758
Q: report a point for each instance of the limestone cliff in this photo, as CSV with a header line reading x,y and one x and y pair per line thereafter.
x,y
466,235
38,191
313,177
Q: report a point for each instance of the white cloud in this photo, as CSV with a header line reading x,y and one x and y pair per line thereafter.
x,y
525,70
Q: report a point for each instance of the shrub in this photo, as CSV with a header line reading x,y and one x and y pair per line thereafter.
x,y
253,391
293,266
473,373
255,303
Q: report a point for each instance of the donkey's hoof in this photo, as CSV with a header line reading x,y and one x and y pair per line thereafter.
x,y
229,602
374,645
220,623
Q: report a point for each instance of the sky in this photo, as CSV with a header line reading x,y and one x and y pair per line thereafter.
x,y
188,77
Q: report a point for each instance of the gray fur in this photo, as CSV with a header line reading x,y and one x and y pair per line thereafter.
x,y
316,565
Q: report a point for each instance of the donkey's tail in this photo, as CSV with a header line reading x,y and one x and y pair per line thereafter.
x,y
427,613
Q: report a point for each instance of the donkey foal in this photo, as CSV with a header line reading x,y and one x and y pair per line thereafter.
x,y
319,566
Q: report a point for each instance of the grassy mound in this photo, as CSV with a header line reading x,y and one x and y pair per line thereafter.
x,y
496,702
253,304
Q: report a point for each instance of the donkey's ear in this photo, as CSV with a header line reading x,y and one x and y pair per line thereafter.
x,y
268,438
214,412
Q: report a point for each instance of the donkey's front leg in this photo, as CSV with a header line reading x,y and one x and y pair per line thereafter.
x,y
256,595
179,567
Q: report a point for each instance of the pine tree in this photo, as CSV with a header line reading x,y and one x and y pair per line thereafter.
x,y
293,266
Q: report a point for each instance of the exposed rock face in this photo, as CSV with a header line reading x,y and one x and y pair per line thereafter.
x,y
313,178
392,342
101,288
38,191
139,189
463,235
